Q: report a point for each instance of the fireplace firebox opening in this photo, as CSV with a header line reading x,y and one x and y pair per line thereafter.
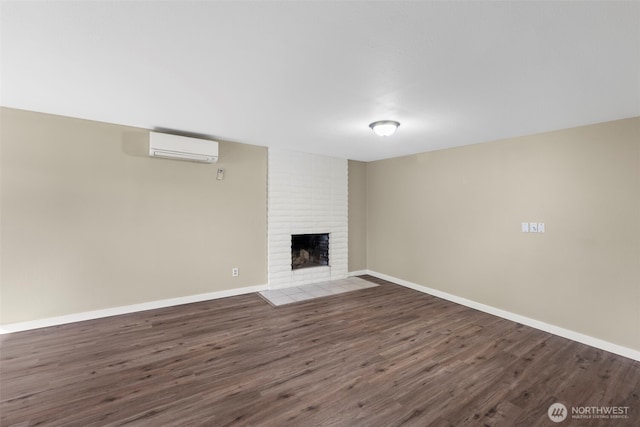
x,y
309,250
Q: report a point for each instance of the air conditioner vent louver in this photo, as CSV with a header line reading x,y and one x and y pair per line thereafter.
x,y
182,148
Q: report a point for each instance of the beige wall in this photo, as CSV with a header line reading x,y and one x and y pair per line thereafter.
x,y
89,221
450,220
357,215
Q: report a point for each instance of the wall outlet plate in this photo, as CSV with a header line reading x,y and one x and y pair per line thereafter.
x,y
525,227
541,227
533,227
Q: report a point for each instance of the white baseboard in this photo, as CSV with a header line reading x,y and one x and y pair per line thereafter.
x,y
357,273
114,311
552,329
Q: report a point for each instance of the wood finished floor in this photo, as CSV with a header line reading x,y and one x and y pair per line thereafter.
x,y
383,356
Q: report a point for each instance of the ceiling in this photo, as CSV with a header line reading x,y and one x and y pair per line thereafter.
x,y
311,76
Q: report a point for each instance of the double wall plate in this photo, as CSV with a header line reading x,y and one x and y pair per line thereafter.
x,y
533,227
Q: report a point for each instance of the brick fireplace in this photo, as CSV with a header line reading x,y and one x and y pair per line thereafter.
x,y
307,196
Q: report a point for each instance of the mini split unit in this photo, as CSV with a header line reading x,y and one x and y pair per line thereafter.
x,y
182,148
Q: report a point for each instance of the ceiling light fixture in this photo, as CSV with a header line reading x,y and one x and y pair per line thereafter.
x,y
384,127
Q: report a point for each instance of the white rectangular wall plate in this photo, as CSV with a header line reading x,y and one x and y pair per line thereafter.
x,y
525,227
533,227
541,227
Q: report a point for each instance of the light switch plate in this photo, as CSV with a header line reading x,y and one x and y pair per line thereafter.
x,y
525,227
533,227
541,227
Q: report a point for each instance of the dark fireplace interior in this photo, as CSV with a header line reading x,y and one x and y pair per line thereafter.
x,y
309,250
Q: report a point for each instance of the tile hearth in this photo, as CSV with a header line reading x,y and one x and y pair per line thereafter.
x,y
284,296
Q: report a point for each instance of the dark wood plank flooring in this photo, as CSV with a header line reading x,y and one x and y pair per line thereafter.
x,y
384,356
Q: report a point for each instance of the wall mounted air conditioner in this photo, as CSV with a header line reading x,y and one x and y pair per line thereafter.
x,y
182,148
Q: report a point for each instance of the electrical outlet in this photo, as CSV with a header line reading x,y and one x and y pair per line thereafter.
x,y
235,272
533,227
541,227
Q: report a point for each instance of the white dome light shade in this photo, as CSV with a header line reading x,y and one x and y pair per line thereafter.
x,y
384,127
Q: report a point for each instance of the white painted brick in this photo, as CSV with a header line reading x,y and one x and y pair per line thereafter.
x,y
307,193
